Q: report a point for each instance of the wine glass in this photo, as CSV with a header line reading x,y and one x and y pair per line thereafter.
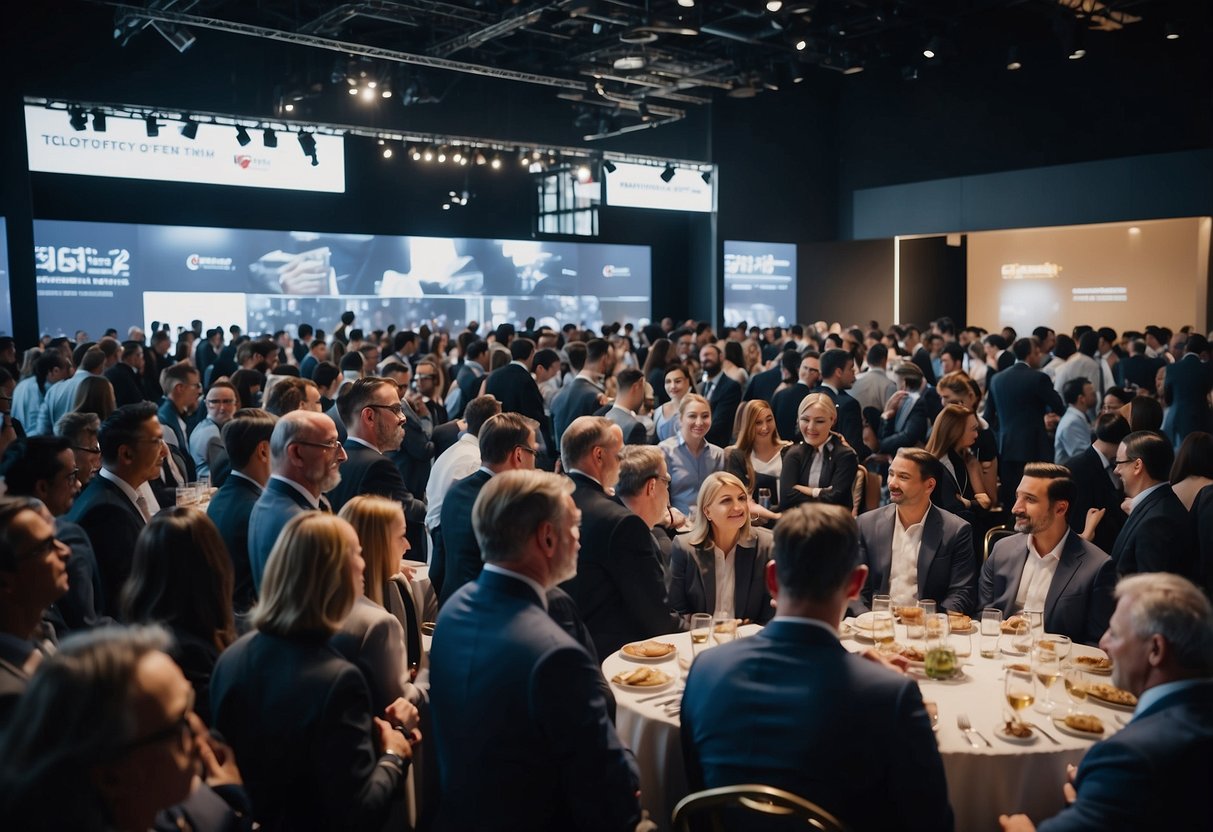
x,y
724,627
1047,666
1020,690
701,627
764,498
882,631
1076,685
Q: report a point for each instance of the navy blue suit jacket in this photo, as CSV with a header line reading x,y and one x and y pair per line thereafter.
x,y
1187,386
791,708
578,397
1019,398
850,419
517,391
1152,774
1079,602
112,524
762,385
366,471
693,577
520,722
1094,489
460,549
784,405
231,509
725,399
275,507
1157,537
167,414
126,383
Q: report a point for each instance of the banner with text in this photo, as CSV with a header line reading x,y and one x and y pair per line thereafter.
x,y
759,283
641,186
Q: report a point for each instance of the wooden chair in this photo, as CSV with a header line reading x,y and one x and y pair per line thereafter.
x,y
993,536
707,809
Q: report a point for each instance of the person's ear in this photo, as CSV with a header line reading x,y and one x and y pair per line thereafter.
x,y
772,581
855,583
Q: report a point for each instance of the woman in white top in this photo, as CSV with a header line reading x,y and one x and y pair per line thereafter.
x,y
720,565
757,457
677,385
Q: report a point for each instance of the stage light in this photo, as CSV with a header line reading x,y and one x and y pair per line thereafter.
x,y
687,4
99,121
386,94
428,155
387,153
457,156
932,48
77,118
1170,31
801,45
372,84
774,5
242,137
290,108
706,176
153,127
496,163
307,143
269,138
584,175
479,159
1077,54
441,155
608,166
1013,62
415,154
368,94
190,129
353,90
668,173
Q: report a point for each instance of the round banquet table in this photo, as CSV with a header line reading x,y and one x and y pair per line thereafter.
x,y
983,782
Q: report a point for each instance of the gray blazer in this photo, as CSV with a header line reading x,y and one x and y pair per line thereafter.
x,y
1079,602
372,638
693,577
946,565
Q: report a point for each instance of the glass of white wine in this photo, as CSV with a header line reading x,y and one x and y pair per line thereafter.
x,y
882,631
724,627
701,627
1046,664
1020,690
1076,686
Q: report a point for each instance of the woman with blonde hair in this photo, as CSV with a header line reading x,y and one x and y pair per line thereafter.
x,y
689,456
95,394
296,712
757,456
961,489
823,467
720,565
384,615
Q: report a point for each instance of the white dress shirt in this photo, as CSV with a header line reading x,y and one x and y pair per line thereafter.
x,y
903,564
455,463
1037,575
726,580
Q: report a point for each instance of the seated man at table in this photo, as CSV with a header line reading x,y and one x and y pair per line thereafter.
x,y
1155,772
791,708
1047,566
520,723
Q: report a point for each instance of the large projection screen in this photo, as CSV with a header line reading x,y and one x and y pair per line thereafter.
x,y
759,283
6,297
1122,275
96,275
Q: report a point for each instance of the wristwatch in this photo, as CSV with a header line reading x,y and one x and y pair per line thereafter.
x,y
395,759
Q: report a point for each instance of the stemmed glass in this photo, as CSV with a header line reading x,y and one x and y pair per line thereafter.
x,y
1076,685
1020,690
1046,664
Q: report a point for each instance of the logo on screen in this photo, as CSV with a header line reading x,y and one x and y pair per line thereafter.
x,y
196,261
244,161
616,271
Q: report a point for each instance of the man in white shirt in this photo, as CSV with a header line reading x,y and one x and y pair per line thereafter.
x,y
1046,567
455,463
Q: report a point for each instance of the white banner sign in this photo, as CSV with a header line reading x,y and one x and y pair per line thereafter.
x,y
641,186
213,157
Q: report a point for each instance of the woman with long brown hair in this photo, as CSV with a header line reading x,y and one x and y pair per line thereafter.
x,y
960,490
958,388
756,458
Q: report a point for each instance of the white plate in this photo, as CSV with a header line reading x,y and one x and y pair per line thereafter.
x,y
1028,740
1086,668
646,688
1060,724
919,672
1091,697
1009,650
673,654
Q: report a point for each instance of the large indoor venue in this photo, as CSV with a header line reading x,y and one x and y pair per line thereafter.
x,y
630,415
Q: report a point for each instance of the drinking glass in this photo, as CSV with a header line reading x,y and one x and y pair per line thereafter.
x,y
1022,639
1059,644
882,631
918,630
1047,667
1020,690
882,603
701,627
186,496
1076,686
940,659
991,630
724,627
764,498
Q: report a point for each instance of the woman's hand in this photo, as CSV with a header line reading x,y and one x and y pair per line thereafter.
x,y
1094,515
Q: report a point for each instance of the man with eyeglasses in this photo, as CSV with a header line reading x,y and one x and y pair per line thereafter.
x,y
305,462
375,423
206,442
80,429
182,389
415,453
119,501
1157,537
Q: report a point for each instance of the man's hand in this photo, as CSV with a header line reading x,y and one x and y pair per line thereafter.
x,y
1067,789
416,402
218,760
1016,823
304,274
392,740
894,662
402,712
1051,420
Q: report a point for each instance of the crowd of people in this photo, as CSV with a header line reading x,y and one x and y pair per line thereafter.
x,y
206,617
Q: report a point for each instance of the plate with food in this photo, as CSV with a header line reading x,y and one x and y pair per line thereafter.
x,y
1094,664
643,679
910,616
1086,726
914,655
1111,696
648,651
1020,733
1014,625
959,623
861,626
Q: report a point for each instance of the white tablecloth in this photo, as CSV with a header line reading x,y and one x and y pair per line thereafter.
x,y
982,782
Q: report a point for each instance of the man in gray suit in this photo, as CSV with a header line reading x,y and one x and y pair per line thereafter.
x,y
306,458
628,399
1047,566
913,548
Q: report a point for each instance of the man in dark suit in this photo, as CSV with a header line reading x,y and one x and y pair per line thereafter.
x,y
583,395
619,586
722,393
1188,384
1157,537
912,548
762,385
118,502
469,378
1096,485
1138,369
372,414
1047,566
507,442
305,461
428,387
182,390
905,420
127,375
814,695
786,403
1155,772
542,751
416,453
246,437
1020,396
920,356
628,399
515,387
837,377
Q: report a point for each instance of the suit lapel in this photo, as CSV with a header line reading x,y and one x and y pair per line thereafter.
x,y
882,558
279,487
705,559
932,537
1016,574
1067,567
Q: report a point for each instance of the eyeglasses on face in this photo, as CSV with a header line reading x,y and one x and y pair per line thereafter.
x,y
393,408
330,446
528,449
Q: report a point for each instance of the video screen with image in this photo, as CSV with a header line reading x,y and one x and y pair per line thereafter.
x,y
759,283
97,275
6,298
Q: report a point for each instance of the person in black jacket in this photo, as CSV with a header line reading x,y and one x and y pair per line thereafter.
x,y
127,374
515,387
1020,396
1157,537
722,393
1096,513
822,468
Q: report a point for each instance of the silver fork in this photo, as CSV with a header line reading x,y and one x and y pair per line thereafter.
x,y
966,728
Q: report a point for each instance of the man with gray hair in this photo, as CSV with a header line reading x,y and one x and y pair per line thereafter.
x,y
305,462
1155,772
542,752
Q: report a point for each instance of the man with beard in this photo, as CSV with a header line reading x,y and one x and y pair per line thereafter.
x,y
206,442
1047,567
182,389
541,747
305,459
722,393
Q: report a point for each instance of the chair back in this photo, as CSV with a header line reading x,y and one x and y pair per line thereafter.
x,y
709,808
859,491
993,536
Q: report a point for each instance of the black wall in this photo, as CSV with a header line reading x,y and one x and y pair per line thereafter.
x,y
849,282
933,280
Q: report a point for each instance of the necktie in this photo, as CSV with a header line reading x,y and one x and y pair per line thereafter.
x,y
141,504
708,384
